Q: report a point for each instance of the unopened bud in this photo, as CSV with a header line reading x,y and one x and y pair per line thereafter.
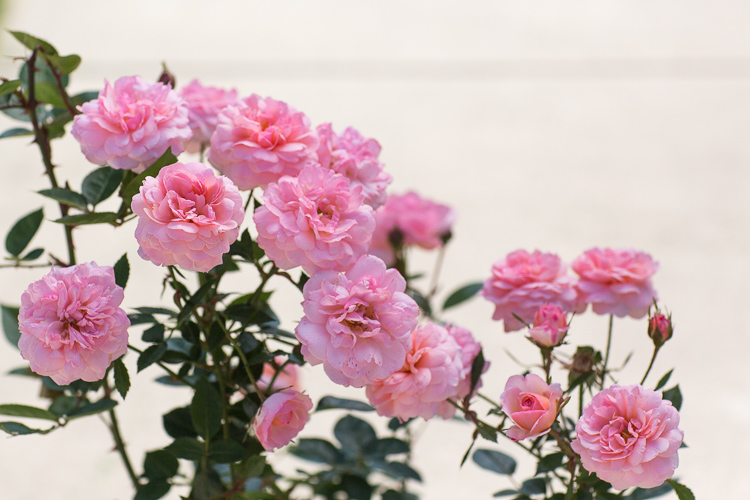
x,y
166,77
660,328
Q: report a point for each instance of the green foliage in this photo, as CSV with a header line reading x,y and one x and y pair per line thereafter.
x,y
10,324
122,378
675,396
101,184
462,295
683,492
66,197
663,381
14,410
494,461
22,232
122,271
205,409
331,402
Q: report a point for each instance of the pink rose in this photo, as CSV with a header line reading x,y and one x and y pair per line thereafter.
x,y
315,221
204,104
281,417
355,157
187,216
259,140
531,404
357,323
522,282
550,326
71,324
660,328
628,436
131,124
431,375
616,281
274,377
469,350
410,220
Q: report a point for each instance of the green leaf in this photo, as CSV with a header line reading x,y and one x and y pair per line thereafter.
x,y
494,461
331,402
153,490
16,132
550,462
398,470
10,324
462,294
65,196
101,184
22,232
122,271
683,492
83,97
225,451
14,410
356,487
151,355
18,429
156,310
536,486
187,448
207,485
43,74
9,86
32,42
178,423
316,450
122,378
477,367
135,185
675,396
504,493
49,92
205,409
92,409
160,464
646,493
154,334
354,435
663,381
421,300
387,446
65,64
193,302
90,218
33,254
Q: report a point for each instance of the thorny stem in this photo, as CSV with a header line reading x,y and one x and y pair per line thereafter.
x,y
606,355
120,444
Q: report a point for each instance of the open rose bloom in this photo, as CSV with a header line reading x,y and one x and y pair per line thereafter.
x,y
531,404
204,105
71,323
357,324
616,281
550,326
132,124
523,281
281,417
628,436
187,216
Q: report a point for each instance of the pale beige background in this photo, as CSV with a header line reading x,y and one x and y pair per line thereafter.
x,y
550,125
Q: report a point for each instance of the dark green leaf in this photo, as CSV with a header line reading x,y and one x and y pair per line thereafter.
x,y
536,486
151,355
49,92
160,464
462,294
494,461
9,86
421,300
646,493
477,367
17,429
205,409
92,409
683,492
16,132
316,450
153,490
83,97
663,381
675,396
10,324
65,196
187,448
32,42
398,495
154,334
354,435
207,485
122,378
139,319
178,423
398,470
22,232
100,184
387,446
14,410
550,463
135,185
331,402
225,451
90,218
62,405
395,424
156,310
504,493
33,254
356,487
487,431
122,271
65,64
194,301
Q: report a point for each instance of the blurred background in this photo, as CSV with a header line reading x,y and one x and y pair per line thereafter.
x,y
557,126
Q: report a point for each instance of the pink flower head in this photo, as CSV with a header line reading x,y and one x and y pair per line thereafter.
x,y
431,375
357,323
469,350
259,140
204,104
523,281
316,221
282,378
531,404
628,436
410,220
131,124
281,417
550,326
616,281
356,157
187,216
660,328
71,323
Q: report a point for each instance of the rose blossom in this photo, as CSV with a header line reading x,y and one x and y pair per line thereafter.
x,y
469,350
616,281
287,377
410,220
660,328
531,404
204,104
259,140
71,324
431,375
131,124
355,157
523,281
628,436
281,417
550,326
357,323
187,216
315,221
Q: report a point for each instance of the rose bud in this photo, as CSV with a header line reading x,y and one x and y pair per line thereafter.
x,y
660,328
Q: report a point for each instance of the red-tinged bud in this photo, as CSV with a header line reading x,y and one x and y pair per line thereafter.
x,y
660,328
